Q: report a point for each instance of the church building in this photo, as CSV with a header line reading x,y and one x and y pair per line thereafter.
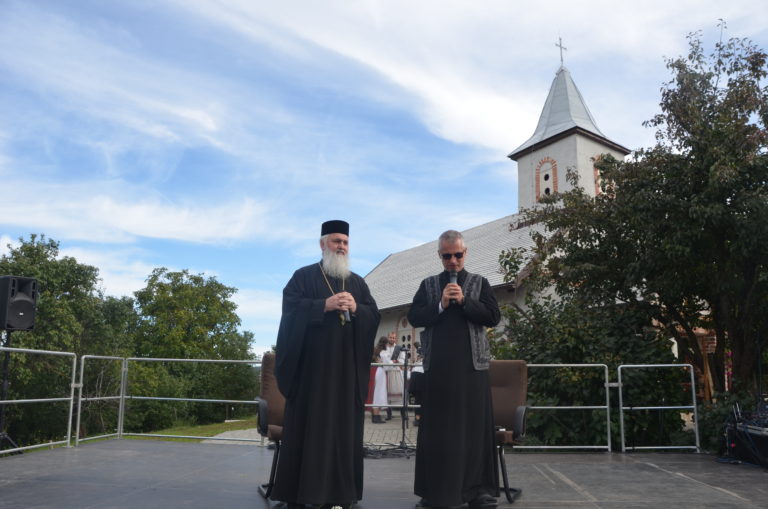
x,y
566,137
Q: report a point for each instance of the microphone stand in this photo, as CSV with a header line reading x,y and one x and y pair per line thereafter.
x,y
404,409
403,449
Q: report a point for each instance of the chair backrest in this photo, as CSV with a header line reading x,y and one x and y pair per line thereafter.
x,y
509,390
269,391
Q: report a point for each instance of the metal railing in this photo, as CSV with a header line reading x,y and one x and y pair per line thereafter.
x,y
124,396
81,399
606,408
71,398
622,408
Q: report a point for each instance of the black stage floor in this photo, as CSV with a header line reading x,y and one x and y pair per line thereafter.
x,y
119,474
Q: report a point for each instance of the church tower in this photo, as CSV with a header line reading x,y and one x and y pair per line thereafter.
x,y
565,137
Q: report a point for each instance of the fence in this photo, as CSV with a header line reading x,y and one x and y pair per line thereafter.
x,y
606,408
123,396
71,398
691,407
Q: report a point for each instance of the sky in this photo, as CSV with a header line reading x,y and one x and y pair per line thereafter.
x,y
217,135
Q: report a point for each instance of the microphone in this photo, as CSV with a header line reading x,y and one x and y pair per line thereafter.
x,y
453,280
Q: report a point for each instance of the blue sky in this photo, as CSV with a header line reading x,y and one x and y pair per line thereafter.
x,y
217,135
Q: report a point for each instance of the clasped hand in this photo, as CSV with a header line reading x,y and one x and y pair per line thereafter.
x,y
452,291
342,301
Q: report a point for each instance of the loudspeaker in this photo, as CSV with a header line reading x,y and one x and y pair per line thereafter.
x,y
18,299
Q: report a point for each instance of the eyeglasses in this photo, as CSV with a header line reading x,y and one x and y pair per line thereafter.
x,y
447,256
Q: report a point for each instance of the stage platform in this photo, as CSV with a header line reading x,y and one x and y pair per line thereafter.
x,y
146,474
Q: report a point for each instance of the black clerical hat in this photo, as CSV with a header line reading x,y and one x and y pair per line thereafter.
x,y
335,226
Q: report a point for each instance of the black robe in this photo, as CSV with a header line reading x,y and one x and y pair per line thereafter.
x,y
322,369
455,460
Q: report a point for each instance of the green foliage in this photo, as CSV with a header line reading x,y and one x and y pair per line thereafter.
x,y
716,414
175,315
188,315
185,315
679,229
72,315
673,244
570,330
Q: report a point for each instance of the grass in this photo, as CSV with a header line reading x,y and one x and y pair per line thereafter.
x,y
205,430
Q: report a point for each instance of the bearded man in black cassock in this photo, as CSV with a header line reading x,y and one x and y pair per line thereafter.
x,y
323,357
455,461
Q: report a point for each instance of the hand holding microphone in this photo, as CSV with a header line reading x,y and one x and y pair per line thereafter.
x,y
453,278
452,293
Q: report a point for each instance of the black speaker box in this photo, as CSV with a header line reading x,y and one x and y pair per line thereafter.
x,y
18,300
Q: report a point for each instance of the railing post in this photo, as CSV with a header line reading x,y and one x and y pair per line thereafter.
x,y
695,407
123,384
607,406
621,410
72,386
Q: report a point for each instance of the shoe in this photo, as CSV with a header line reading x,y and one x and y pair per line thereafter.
x,y
483,501
423,504
389,414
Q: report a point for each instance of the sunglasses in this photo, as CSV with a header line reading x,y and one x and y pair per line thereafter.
x,y
447,256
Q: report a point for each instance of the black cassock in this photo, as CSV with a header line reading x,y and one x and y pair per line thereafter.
x,y
322,369
455,459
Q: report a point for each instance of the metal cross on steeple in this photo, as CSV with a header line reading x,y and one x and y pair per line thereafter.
x,y
559,44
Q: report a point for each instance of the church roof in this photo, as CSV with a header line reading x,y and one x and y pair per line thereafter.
x,y
394,282
564,111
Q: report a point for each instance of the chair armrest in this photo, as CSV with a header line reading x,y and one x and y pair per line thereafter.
x,y
519,422
263,425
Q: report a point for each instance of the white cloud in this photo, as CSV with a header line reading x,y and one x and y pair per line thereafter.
x,y
466,70
5,241
259,312
122,272
258,304
99,211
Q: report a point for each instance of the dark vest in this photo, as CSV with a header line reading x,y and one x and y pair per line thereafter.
x,y
481,351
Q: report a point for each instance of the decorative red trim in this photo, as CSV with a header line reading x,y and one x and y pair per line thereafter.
x,y
538,176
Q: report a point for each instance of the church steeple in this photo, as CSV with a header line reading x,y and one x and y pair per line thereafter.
x,y
566,136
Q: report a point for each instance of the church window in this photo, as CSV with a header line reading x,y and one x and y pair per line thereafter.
x,y
546,177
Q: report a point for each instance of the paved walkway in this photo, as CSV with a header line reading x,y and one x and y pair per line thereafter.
x,y
389,434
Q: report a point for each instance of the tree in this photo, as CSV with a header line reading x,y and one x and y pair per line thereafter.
x,y
73,316
581,328
187,315
190,316
679,230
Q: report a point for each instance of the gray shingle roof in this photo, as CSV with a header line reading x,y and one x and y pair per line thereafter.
x,y
563,110
394,282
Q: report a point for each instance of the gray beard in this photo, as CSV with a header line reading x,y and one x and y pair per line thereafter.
x,y
335,265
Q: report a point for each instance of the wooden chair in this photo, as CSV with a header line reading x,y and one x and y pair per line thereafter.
x,y
271,404
509,390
